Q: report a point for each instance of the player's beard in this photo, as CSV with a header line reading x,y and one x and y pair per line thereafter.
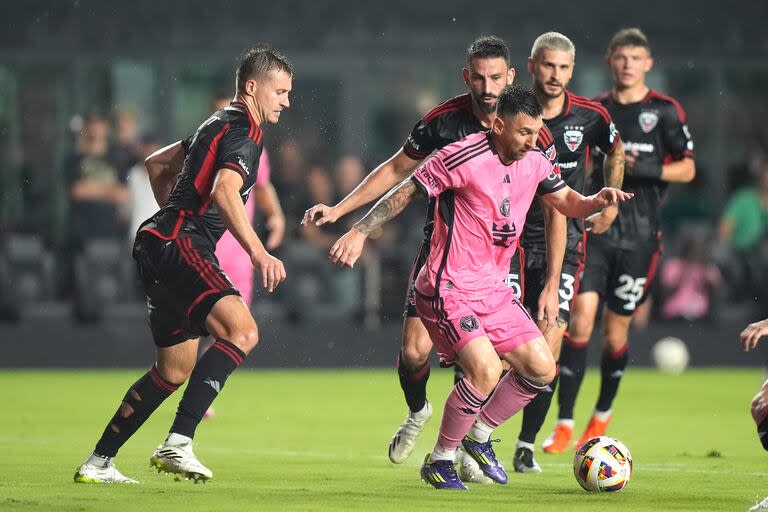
x,y
485,108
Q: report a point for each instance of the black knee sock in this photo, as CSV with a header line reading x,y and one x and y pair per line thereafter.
x,y
205,383
414,384
141,400
573,363
611,371
535,413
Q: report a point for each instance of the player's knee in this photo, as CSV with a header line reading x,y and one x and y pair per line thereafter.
x,y
542,370
580,327
413,353
176,373
485,376
615,334
246,339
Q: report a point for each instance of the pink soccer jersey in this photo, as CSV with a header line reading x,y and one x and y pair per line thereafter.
x,y
479,214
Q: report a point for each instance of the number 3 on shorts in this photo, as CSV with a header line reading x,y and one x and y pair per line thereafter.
x,y
630,291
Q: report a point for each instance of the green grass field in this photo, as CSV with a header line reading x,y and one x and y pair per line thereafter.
x,y
317,440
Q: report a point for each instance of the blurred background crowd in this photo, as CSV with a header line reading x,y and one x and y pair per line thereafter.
x,y
84,99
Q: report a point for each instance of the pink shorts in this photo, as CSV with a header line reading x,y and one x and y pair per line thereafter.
x,y
453,321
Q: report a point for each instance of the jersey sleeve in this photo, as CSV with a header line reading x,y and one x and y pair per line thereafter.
x,y
423,139
546,143
678,143
607,134
186,144
238,152
551,180
433,177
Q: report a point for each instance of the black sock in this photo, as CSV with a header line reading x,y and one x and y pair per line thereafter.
x,y
141,400
611,371
573,362
535,413
205,383
414,384
762,432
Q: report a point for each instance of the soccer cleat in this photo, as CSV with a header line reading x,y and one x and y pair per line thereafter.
x,y
760,507
469,470
558,441
179,460
402,443
108,474
441,474
486,458
524,461
595,428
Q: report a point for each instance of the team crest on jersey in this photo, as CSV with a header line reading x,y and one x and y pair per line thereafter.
x,y
469,323
648,121
551,153
242,163
504,207
573,136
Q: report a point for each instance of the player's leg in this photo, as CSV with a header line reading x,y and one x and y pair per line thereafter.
x,y
759,410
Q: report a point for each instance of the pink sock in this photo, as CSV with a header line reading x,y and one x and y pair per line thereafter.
x,y
512,394
461,409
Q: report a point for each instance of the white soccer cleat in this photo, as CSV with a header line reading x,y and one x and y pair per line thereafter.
x,y
469,470
402,443
180,460
107,474
760,507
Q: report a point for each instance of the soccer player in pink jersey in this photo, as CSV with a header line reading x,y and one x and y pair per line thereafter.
x,y
483,186
749,338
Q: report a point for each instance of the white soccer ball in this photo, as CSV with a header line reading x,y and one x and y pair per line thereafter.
x,y
603,464
670,355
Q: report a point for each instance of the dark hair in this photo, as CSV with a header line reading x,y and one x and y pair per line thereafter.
x,y
628,37
487,47
257,62
518,99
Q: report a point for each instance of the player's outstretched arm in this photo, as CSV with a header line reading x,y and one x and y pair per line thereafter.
x,y
226,196
347,249
572,204
381,179
555,225
680,171
163,166
752,334
613,176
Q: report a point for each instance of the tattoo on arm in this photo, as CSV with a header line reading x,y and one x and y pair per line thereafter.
x,y
613,168
388,206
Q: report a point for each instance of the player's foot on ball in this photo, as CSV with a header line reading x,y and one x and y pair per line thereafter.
x,y
486,458
559,440
469,470
107,474
402,443
441,474
595,428
524,461
180,460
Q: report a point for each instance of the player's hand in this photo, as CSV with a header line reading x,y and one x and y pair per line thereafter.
x,y
599,222
272,270
549,306
347,249
752,334
320,214
610,196
634,165
276,227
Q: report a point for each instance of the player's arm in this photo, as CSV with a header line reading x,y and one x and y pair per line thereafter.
x,y
752,334
572,204
269,204
555,226
164,166
346,251
226,196
613,176
380,180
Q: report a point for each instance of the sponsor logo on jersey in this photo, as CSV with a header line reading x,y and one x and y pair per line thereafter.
x,y
640,147
648,120
241,161
469,323
568,165
573,136
612,132
430,179
504,207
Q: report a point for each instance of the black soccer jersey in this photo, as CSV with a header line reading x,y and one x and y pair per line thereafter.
x,y
581,126
447,123
655,128
229,139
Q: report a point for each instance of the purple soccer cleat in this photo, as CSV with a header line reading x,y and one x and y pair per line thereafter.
x,y
441,474
486,458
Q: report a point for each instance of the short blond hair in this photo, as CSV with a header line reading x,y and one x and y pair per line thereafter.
x,y
552,41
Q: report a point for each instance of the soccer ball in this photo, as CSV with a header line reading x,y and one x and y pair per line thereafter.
x,y
670,355
603,464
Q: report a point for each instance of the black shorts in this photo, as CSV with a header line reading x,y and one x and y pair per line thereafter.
x,y
620,276
529,284
182,280
410,292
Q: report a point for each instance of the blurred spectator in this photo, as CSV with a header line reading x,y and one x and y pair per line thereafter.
x,y
97,191
320,190
125,148
288,180
689,282
142,203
